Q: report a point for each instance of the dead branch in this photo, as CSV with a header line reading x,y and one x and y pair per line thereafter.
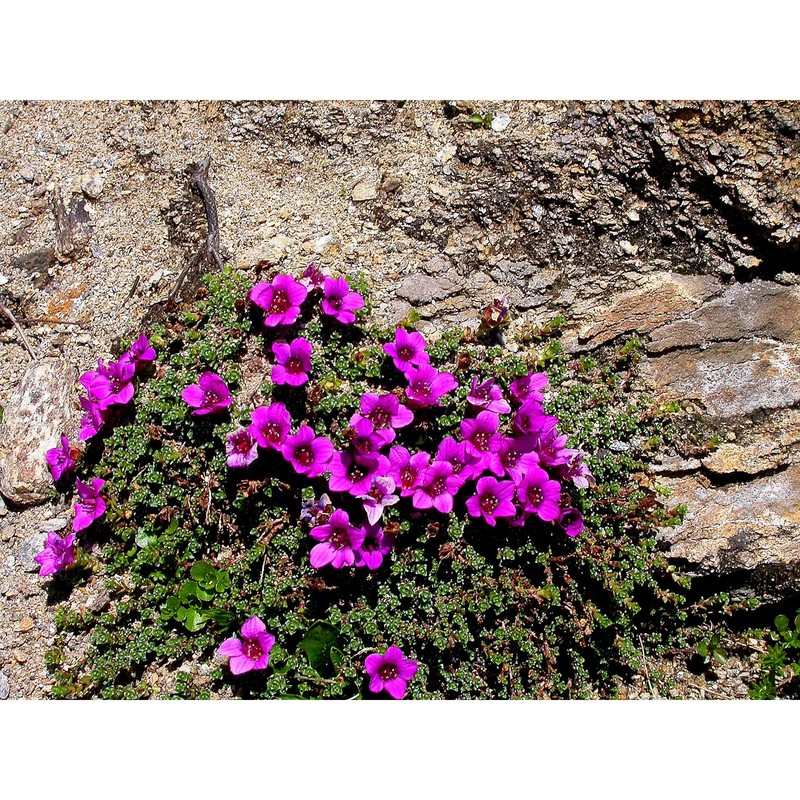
x,y
21,333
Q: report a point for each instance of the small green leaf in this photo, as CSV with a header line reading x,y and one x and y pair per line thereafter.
x,y
188,591
720,656
223,581
317,644
781,622
203,572
203,595
702,649
144,539
337,656
180,614
194,620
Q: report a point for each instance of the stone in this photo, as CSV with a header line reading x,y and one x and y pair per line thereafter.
x,y
753,526
20,656
663,299
36,415
27,174
5,689
758,308
53,525
25,625
501,122
92,184
28,550
422,289
364,190
731,379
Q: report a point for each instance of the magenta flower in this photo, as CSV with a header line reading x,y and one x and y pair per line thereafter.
x,y
492,500
436,488
375,546
61,460
466,465
294,362
140,353
390,671
281,299
90,505
338,540
112,384
407,350
386,413
316,512
571,521
209,395
506,459
363,439
251,651
377,497
539,494
339,302
406,470
94,419
487,396
57,554
308,453
575,469
551,447
313,277
531,419
481,436
352,473
271,425
529,387
241,447
426,385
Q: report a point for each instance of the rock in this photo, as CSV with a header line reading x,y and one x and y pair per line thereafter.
x,y
26,552
20,656
37,265
25,625
3,508
364,190
53,525
5,690
27,174
731,380
92,184
750,527
758,308
73,229
501,122
40,410
98,602
664,298
422,289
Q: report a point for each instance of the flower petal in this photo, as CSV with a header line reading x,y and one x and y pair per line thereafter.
x,y
252,627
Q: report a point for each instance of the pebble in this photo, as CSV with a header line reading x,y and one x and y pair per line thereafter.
x,y
501,122
633,215
31,547
364,190
20,656
4,687
53,525
628,248
3,506
25,625
27,174
92,184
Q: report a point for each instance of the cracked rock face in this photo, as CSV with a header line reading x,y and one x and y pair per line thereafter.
x,y
42,408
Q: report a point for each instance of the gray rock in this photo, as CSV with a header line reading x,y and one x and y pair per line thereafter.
x,y
41,409
422,289
27,174
364,190
5,689
26,552
92,184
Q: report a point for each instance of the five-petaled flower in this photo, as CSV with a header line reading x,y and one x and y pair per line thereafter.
x,y
209,395
281,300
61,460
90,505
241,448
251,651
58,553
390,671
339,302
338,540
293,362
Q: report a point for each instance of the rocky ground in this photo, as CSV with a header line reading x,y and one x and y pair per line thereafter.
x,y
676,221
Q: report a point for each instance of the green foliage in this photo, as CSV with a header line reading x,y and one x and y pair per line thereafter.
x,y
194,548
710,651
780,667
481,120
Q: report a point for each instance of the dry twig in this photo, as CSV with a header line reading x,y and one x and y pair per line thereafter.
x,y
21,333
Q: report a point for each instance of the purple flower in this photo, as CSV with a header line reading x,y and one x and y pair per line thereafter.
x,y
539,494
241,447
407,350
112,384
363,440
339,302
353,474
338,540
551,447
466,465
377,497
281,299
390,671
61,460
385,413
487,396
313,277
481,435
529,387
375,546
308,453
271,425
530,418
140,353
436,488
294,362
251,651
316,512
575,469
208,396
90,505
57,554
571,521
94,419
507,457
492,500
426,385
406,470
